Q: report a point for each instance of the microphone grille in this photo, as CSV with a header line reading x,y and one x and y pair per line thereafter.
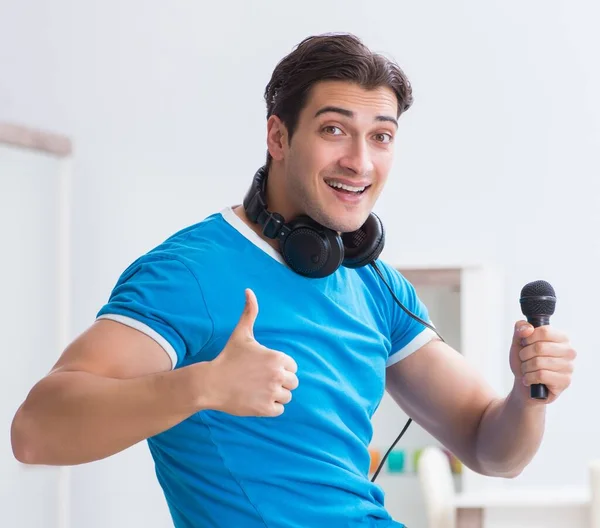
x,y
538,298
539,287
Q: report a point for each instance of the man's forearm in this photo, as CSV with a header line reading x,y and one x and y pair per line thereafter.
x,y
75,417
510,433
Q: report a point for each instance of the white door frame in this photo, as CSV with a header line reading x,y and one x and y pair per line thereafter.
x,y
61,147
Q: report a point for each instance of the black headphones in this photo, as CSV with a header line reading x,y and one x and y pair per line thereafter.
x,y
309,248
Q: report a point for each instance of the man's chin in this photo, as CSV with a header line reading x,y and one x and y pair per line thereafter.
x,y
346,225
340,220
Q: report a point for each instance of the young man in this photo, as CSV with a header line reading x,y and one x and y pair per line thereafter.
x,y
182,355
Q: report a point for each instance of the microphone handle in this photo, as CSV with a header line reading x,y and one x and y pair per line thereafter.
x,y
539,391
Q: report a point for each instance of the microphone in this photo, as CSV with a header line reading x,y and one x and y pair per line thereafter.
x,y
538,301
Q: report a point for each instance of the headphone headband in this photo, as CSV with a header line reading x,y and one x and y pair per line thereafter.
x,y
255,204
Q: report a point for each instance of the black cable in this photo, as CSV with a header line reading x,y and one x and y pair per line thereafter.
x,y
424,323
390,449
415,317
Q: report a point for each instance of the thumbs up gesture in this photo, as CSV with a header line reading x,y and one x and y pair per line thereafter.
x,y
249,379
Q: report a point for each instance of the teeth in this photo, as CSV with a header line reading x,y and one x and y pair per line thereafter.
x,y
337,185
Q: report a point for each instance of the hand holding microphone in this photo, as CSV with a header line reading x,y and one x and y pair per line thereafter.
x,y
540,356
247,378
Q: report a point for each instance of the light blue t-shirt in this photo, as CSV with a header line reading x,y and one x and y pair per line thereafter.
x,y
307,468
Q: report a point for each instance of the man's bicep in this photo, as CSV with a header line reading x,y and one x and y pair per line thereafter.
x,y
443,393
111,349
161,298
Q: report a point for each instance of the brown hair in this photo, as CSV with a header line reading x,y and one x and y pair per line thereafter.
x,y
331,56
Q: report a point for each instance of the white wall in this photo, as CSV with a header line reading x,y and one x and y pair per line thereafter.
x,y
497,161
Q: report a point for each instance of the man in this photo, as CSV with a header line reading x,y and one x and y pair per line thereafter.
x,y
181,355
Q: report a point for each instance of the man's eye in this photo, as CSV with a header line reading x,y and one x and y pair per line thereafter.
x,y
332,130
383,137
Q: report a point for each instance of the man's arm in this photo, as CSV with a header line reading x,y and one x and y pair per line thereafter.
x,y
112,388
442,392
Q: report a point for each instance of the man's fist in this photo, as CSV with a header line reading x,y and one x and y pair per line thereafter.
x,y
247,378
541,355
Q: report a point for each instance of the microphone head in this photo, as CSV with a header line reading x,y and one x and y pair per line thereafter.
x,y
538,298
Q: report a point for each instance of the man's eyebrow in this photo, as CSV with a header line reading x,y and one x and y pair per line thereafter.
x,y
349,113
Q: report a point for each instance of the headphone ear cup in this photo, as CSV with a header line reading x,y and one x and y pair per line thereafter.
x,y
311,249
363,246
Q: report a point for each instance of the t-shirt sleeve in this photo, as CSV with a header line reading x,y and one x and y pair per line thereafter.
x,y
162,298
407,335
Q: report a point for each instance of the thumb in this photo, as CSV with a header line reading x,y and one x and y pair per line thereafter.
x,y
522,329
245,325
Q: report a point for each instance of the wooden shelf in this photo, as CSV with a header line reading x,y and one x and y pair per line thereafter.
x,y
35,139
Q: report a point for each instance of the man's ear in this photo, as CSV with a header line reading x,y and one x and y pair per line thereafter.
x,y
277,137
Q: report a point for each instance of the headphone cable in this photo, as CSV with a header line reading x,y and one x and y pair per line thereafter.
x,y
424,323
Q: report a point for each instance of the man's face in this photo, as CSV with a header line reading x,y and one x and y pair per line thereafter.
x,y
345,136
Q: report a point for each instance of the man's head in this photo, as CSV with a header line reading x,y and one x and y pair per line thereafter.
x,y
332,110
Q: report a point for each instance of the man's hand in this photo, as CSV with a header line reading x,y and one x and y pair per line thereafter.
x,y
541,355
247,378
